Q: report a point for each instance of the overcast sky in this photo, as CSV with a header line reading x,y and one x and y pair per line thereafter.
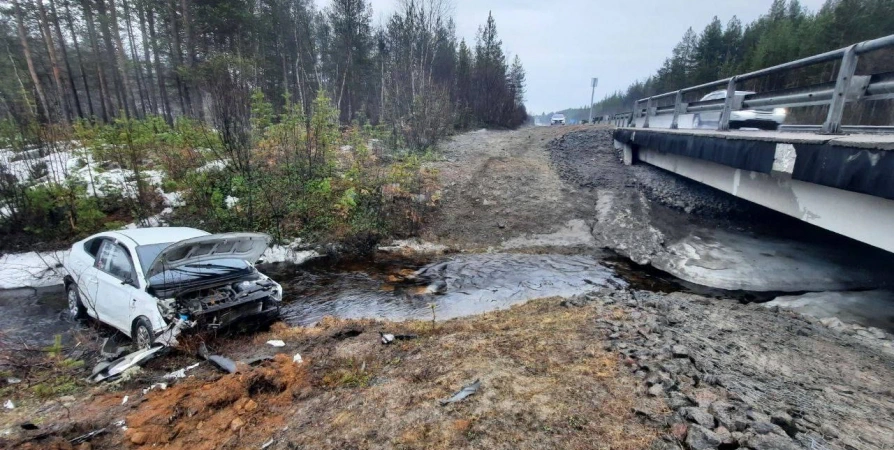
x,y
563,43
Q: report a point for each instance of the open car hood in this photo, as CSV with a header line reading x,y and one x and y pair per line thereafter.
x,y
245,246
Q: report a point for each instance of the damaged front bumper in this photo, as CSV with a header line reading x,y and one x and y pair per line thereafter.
x,y
223,305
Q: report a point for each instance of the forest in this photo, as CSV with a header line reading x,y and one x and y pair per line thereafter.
x,y
104,59
785,33
313,121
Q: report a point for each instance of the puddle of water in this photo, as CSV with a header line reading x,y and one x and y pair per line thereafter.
x,y
459,286
33,315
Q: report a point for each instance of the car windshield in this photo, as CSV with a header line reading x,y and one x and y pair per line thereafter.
x,y
198,271
148,253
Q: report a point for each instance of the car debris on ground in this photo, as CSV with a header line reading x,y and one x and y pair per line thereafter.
x,y
180,373
389,338
222,362
463,393
107,370
86,437
111,370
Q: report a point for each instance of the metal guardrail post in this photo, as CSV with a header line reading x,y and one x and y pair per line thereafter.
x,y
648,112
678,103
832,125
727,105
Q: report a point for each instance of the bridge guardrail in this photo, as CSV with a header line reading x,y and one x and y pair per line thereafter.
x,y
847,87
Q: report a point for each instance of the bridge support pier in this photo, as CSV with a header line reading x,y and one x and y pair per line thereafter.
x,y
628,152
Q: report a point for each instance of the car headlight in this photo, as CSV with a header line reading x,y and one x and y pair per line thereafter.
x,y
781,111
277,293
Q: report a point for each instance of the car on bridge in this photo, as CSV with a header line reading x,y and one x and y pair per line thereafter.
x,y
764,119
141,280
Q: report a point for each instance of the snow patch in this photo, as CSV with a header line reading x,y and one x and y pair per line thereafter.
x,y
288,254
32,269
173,199
414,246
212,165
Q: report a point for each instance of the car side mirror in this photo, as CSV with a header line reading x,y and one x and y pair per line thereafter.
x,y
128,281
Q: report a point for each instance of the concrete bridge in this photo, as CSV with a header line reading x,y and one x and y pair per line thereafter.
x,y
836,177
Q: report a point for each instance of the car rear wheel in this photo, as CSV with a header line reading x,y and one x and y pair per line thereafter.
x,y
76,309
142,335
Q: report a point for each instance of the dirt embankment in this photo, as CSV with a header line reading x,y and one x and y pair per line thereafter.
x,y
500,185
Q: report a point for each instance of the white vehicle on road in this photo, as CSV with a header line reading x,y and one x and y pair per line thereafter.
x,y
557,119
140,280
764,119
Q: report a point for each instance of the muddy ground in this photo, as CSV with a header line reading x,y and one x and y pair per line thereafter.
x,y
630,365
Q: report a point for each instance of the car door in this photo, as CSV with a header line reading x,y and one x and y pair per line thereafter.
x,y
84,270
116,285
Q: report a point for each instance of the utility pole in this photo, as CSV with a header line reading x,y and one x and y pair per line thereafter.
x,y
594,82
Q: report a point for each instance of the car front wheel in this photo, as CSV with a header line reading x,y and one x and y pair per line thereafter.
x,y
76,309
142,335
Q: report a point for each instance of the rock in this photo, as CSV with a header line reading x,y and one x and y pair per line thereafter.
x,y
138,438
250,405
865,334
661,444
680,351
771,442
236,424
700,438
766,428
678,430
656,390
757,416
728,416
725,436
677,401
703,397
698,415
829,430
877,333
781,418
501,225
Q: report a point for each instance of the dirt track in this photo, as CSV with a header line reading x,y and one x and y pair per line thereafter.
x,y
500,185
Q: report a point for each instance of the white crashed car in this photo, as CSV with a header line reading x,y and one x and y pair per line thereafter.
x,y
140,281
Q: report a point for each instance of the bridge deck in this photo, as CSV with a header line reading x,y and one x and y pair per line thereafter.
x,y
861,163
866,141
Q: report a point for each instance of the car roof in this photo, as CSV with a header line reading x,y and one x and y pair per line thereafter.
x,y
160,235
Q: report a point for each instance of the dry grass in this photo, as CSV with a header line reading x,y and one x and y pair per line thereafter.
x,y
546,382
